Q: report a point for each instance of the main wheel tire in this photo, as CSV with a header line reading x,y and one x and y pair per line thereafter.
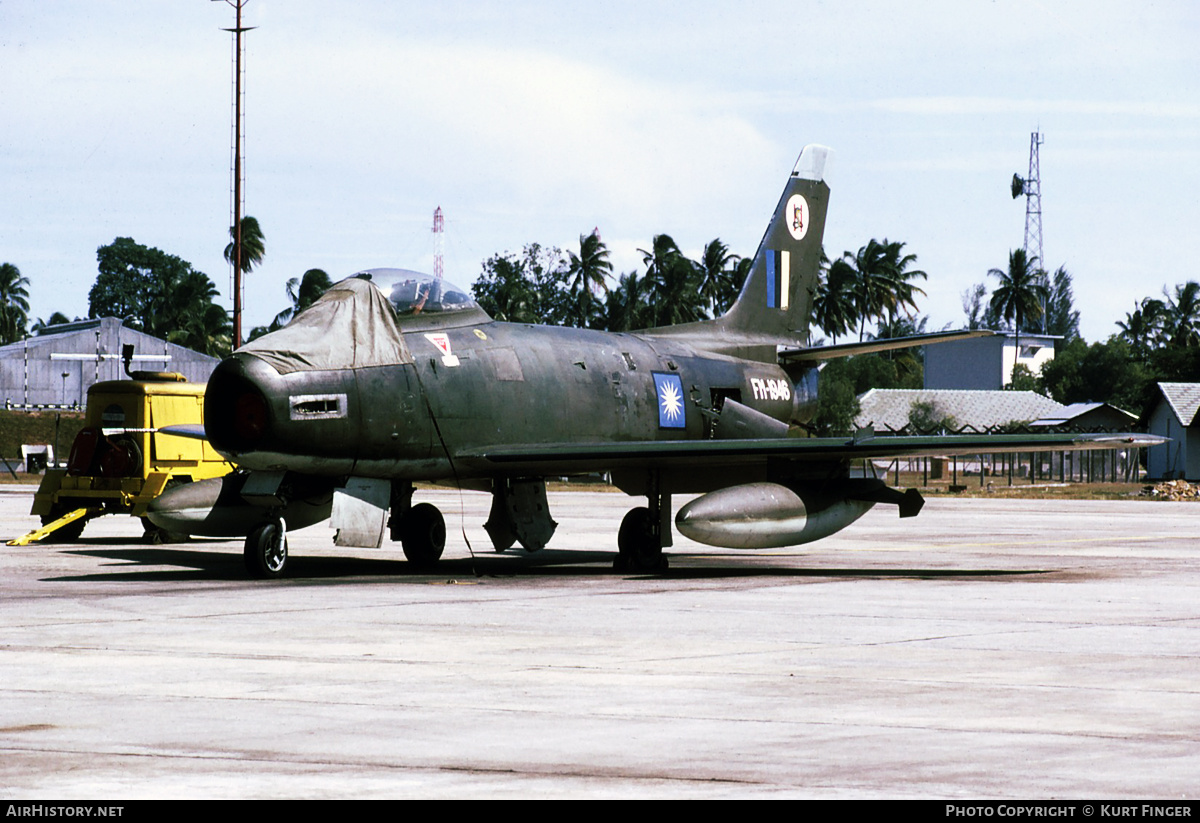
x,y
266,551
424,535
639,548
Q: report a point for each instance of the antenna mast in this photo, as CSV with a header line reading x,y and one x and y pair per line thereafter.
x,y
1033,202
239,171
439,233
1031,187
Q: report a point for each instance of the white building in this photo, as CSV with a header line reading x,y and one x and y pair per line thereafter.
x,y
986,363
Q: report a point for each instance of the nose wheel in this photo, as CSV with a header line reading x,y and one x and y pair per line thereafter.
x,y
266,550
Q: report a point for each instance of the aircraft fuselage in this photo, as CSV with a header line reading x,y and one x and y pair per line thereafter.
x,y
480,385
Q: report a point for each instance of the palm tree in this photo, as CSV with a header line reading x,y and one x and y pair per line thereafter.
x,y
588,272
1143,327
625,307
55,319
896,265
253,246
871,281
672,282
14,303
834,303
732,286
303,291
1021,293
1181,321
190,317
715,274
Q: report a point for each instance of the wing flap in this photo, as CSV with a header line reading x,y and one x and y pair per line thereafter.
x,y
587,457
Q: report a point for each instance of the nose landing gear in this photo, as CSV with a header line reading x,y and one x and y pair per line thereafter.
x,y
266,550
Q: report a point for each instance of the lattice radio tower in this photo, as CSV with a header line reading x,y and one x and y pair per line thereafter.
x,y
439,234
1031,187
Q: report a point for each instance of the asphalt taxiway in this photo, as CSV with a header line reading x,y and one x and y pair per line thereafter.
x,y
995,648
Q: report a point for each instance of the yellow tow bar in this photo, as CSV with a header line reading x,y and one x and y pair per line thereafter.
x,y
66,520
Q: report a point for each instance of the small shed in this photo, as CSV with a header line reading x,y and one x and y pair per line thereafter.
x,y
1089,417
1173,415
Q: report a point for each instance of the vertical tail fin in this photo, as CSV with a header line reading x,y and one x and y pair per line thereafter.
x,y
775,303
776,299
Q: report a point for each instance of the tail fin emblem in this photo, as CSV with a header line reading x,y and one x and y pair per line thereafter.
x,y
797,211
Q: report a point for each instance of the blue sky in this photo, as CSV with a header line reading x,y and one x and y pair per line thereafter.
x,y
537,121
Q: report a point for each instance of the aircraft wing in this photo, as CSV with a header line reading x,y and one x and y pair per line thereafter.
x,y
815,353
568,458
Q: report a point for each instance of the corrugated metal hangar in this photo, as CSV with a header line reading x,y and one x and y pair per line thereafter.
x,y
55,368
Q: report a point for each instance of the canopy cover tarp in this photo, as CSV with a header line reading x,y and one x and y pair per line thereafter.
x,y
352,326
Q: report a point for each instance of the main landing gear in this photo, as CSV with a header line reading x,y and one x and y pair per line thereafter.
x,y
644,532
423,535
421,529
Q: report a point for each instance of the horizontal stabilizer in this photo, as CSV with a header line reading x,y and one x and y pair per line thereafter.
x,y
816,353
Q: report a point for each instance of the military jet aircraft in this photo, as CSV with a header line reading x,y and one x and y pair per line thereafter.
x,y
394,377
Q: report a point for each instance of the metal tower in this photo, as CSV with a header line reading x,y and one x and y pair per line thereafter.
x,y
238,171
1033,202
439,231
1031,187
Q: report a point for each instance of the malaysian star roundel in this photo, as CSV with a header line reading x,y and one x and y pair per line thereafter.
x,y
669,390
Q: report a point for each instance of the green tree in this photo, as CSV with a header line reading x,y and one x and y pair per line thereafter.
x,y
14,303
844,379
881,278
55,319
627,307
926,417
732,286
1142,329
974,304
253,244
525,288
1181,321
1020,295
869,281
1061,315
303,291
902,294
1022,379
588,274
160,294
716,271
1102,373
835,304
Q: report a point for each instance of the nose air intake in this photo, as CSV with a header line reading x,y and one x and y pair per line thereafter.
x,y
236,414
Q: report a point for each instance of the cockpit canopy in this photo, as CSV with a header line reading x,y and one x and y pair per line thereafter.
x,y
413,293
